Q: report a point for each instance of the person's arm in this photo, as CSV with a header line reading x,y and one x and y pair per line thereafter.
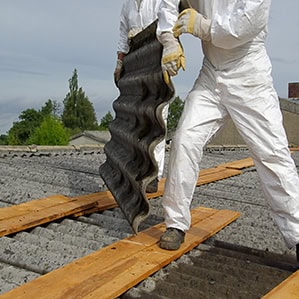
x,y
232,24
167,15
123,44
172,56
236,24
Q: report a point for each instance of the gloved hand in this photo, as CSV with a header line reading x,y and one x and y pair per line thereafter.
x,y
190,21
172,56
118,70
119,67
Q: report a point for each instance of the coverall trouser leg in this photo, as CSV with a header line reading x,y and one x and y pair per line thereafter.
x,y
258,118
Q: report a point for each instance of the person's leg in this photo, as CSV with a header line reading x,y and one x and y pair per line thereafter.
x,y
259,120
159,154
159,151
202,117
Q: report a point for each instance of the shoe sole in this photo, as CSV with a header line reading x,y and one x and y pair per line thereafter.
x,y
169,245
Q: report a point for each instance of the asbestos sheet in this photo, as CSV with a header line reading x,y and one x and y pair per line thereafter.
x,y
137,128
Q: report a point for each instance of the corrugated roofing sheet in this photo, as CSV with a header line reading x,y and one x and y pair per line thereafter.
x,y
255,258
137,128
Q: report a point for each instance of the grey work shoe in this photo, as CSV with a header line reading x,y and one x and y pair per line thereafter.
x,y
152,187
172,239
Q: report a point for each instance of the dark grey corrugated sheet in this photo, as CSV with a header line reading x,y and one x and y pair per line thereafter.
x,y
137,128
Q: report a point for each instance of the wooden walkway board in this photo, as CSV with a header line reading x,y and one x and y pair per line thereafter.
x,y
111,271
222,173
288,289
20,217
206,176
32,206
239,164
37,212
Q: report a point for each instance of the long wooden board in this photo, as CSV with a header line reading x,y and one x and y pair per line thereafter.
x,y
17,218
288,289
206,176
32,206
111,271
28,216
238,164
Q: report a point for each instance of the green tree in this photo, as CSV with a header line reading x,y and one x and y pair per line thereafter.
x,y
174,113
30,120
78,112
3,139
105,121
20,132
51,108
50,132
47,109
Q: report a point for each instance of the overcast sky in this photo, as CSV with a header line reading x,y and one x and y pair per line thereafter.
x,y
43,41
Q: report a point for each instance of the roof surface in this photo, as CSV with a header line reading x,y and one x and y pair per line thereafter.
x,y
97,136
244,260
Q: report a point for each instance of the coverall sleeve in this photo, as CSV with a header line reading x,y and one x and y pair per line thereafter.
x,y
235,23
123,42
167,15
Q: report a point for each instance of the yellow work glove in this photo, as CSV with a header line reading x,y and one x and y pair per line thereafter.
x,y
172,56
190,21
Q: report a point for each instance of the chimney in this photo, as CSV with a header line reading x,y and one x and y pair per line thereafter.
x,y
294,90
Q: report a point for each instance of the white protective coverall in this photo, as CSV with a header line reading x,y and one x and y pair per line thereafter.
x,y
234,82
135,16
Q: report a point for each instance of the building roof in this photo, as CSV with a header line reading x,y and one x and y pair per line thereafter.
x,y
100,137
249,252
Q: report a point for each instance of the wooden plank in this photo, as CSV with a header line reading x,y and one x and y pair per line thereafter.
x,y
105,200
201,213
239,164
57,211
33,205
206,176
288,289
152,259
223,173
114,269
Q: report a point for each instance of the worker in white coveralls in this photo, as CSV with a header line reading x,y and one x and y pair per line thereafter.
x,y
135,16
234,82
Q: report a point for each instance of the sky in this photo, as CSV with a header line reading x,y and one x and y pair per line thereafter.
x,y
43,41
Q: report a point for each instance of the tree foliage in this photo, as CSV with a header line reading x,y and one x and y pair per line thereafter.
x,y
20,132
29,121
105,121
50,132
174,113
51,108
78,112
3,139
